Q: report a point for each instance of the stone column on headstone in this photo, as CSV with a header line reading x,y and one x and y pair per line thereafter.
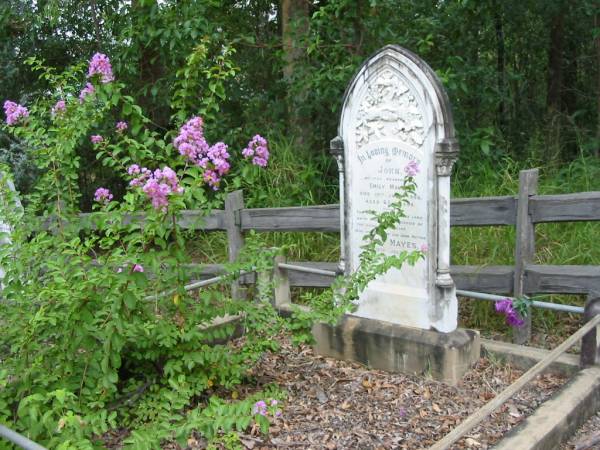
x,y
446,309
336,147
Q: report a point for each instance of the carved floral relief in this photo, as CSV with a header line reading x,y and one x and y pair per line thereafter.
x,y
389,109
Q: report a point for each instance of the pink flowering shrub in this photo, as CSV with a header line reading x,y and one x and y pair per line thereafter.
x,y
105,297
102,195
59,108
87,91
14,112
100,65
257,150
157,185
192,145
412,168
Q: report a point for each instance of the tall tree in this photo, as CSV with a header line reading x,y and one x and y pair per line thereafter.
x,y
294,28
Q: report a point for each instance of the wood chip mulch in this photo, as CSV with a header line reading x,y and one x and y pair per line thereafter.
x,y
341,405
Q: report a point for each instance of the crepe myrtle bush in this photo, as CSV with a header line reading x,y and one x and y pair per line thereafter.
x,y
98,330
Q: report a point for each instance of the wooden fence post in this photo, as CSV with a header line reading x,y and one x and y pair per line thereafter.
x,y
234,203
525,245
273,285
281,283
590,343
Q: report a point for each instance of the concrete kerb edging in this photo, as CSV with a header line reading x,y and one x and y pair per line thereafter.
x,y
558,418
523,357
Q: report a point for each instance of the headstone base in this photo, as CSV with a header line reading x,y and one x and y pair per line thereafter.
x,y
383,345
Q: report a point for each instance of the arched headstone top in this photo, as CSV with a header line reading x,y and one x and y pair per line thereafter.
x,y
412,77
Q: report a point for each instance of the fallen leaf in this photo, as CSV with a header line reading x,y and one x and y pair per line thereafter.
x,y
472,442
248,443
321,396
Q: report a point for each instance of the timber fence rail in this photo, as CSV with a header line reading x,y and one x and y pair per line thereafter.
x,y
524,211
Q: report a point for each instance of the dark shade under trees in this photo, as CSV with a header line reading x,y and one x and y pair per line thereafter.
x,y
523,76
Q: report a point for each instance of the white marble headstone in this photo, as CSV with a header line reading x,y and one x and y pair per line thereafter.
x,y
396,111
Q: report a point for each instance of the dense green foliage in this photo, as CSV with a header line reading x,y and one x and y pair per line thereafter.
x,y
522,75
98,331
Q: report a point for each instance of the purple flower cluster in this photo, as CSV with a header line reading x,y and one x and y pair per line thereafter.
x,y
121,126
191,144
257,149
96,139
14,112
103,195
100,65
512,316
157,185
135,268
59,108
260,407
412,168
87,90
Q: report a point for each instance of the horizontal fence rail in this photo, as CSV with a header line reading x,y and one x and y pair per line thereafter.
x,y
582,206
464,212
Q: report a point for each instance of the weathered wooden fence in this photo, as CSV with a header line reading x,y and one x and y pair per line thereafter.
x,y
523,211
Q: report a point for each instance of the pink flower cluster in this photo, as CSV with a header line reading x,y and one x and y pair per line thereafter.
x,y
512,316
192,145
260,407
96,139
14,112
100,65
121,126
257,149
59,108
412,168
135,268
157,185
87,90
103,195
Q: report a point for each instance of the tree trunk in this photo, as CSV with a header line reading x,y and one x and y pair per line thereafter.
x,y
555,62
500,66
294,27
597,26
